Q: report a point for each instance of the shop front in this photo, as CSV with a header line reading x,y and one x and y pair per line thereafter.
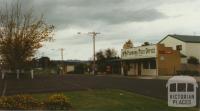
x,y
150,60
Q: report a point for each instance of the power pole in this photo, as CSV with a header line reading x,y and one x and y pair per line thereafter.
x,y
94,34
62,53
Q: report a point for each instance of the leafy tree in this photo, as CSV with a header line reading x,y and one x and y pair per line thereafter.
x,y
103,57
128,44
145,44
193,60
110,53
106,54
100,55
21,35
44,62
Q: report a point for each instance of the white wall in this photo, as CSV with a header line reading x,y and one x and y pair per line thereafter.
x,y
193,49
184,60
148,72
172,42
144,72
70,68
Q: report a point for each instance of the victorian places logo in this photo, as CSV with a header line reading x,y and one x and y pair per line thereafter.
x,y
182,91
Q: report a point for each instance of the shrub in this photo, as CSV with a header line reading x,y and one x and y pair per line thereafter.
x,y
4,104
188,73
193,60
57,102
27,102
19,102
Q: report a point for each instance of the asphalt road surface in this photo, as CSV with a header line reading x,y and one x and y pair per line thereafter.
x,y
149,87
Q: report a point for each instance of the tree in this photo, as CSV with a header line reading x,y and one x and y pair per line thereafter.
x,y
103,58
44,62
128,44
21,35
100,55
193,60
145,44
110,53
106,54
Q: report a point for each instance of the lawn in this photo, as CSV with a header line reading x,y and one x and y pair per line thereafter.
x,y
114,100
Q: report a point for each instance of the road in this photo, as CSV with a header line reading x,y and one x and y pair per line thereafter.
x,y
146,86
149,87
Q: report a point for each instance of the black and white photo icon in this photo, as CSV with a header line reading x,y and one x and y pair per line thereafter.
x,y
182,91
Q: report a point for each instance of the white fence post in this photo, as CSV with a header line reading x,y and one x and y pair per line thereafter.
x,y
32,74
3,74
17,73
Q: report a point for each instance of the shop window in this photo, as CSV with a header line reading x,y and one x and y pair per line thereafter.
x,y
134,66
145,65
153,64
179,47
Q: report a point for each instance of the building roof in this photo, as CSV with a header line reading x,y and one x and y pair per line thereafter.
x,y
185,38
70,62
183,55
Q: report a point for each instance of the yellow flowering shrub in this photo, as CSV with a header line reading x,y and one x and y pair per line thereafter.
x,y
57,102
19,102
27,102
4,103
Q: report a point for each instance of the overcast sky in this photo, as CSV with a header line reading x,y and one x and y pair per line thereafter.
x,y
116,20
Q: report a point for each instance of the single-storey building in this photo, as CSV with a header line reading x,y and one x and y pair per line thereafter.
x,y
150,60
70,66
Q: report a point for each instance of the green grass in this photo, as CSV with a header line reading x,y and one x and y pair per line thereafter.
x,y
114,100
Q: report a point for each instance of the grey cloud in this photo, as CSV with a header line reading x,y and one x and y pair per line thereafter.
x,y
110,17
65,13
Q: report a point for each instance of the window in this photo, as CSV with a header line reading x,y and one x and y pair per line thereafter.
x,y
179,47
173,87
190,87
153,64
181,87
145,65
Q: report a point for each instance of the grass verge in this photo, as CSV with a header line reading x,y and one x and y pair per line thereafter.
x,y
114,100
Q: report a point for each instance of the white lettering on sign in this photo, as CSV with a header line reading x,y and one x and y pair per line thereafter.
x,y
139,52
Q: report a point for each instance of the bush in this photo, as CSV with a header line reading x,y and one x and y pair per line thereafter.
x,y
4,104
27,102
19,102
188,73
44,72
193,60
57,102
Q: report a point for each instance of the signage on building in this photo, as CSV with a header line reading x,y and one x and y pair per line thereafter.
x,y
139,52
